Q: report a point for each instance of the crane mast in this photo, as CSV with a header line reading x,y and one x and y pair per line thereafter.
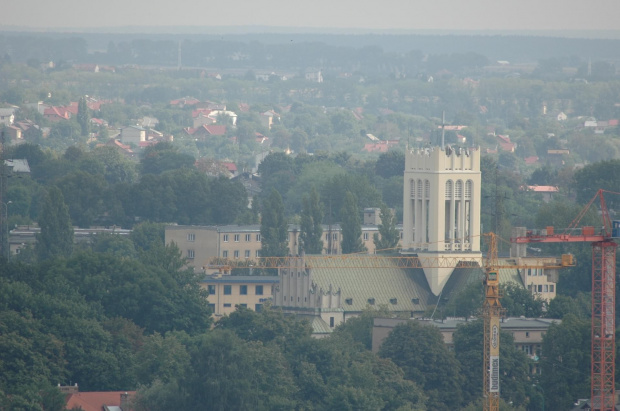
x,y
603,335
491,311
603,325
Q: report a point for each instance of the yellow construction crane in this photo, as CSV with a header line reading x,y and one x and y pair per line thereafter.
x,y
492,308
491,312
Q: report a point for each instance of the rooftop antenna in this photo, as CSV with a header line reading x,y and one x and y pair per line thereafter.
x,y
443,129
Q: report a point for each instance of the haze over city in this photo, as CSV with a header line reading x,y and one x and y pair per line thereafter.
x,y
451,15
442,176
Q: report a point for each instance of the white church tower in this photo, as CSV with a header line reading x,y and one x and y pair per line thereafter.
x,y
441,207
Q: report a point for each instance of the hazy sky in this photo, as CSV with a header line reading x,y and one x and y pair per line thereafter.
x,y
364,14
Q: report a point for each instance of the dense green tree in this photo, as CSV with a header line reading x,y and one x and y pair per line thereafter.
x,y
268,326
310,173
227,373
351,226
580,306
388,237
392,193
335,190
155,297
163,157
228,200
602,175
119,246
311,224
161,358
419,350
343,122
275,163
515,378
565,363
467,301
518,301
83,117
273,227
360,327
390,164
56,236
336,373
148,235
29,355
116,168
31,152
84,194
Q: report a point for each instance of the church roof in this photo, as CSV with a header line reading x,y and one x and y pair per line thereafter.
x,y
459,279
462,277
510,275
398,289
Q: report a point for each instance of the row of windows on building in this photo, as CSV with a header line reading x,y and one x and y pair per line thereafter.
x,y
191,237
243,289
247,254
257,307
541,288
237,237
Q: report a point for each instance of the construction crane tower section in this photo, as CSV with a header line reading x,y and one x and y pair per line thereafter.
x,y
492,312
603,295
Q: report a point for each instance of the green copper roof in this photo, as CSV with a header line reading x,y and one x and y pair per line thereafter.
x,y
361,286
319,326
509,275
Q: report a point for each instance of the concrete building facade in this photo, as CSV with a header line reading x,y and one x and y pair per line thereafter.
x,y
226,292
133,135
201,244
441,207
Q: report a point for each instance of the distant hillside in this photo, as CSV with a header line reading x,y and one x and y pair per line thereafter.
x,y
518,48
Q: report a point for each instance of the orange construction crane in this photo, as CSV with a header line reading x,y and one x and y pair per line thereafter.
x,y
492,309
603,294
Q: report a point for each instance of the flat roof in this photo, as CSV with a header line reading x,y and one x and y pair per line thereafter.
x,y
250,279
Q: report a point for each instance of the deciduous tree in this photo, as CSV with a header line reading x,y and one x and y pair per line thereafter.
x,y
388,237
565,363
273,227
56,236
351,226
83,117
311,224
515,379
419,350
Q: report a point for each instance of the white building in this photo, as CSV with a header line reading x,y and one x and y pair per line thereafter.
x,y
133,135
441,207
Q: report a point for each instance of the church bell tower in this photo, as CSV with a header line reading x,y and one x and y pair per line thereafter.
x,y
441,207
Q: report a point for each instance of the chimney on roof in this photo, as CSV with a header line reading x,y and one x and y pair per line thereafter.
x,y
69,389
125,402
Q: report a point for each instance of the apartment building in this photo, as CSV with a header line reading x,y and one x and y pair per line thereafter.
x,y
226,292
201,244
528,333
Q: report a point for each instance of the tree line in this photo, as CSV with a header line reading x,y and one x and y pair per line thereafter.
x,y
101,187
